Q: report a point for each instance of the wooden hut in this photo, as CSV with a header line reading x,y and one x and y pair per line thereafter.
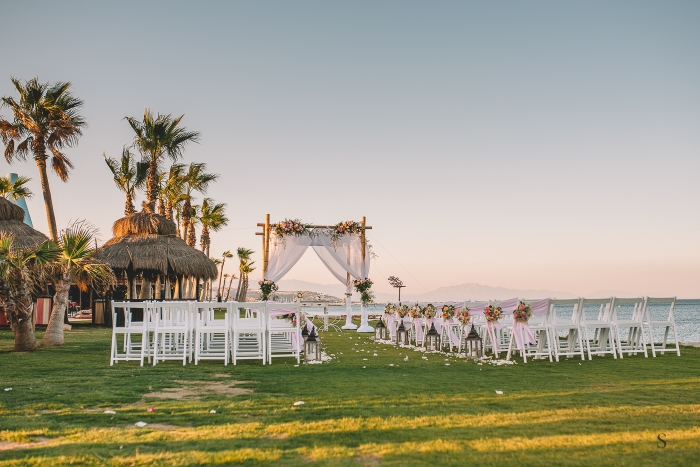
x,y
146,249
12,224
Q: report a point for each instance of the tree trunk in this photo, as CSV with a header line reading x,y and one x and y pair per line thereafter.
x,y
244,291
219,290
204,239
192,235
24,336
54,331
240,287
161,206
185,217
129,206
40,159
169,210
152,185
228,291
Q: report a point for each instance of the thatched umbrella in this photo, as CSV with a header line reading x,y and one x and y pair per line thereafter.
x,y
12,224
146,244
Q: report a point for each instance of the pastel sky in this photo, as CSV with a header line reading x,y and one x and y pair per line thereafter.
x,y
531,144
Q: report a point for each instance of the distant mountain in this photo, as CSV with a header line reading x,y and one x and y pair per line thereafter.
x,y
470,291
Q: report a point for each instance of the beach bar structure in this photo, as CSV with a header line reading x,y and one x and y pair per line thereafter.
x,y
146,251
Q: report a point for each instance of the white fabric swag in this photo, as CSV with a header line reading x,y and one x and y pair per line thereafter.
x,y
343,259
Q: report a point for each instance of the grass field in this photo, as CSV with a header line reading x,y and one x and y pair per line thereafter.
x,y
417,412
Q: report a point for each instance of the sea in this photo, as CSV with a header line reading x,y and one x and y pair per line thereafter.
x,y
686,314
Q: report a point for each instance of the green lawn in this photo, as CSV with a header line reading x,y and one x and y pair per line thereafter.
x,y
418,412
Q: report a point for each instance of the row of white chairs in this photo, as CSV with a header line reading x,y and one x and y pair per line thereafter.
x,y
565,328
195,331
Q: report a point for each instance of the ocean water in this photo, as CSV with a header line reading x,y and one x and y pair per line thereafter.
x,y
686,314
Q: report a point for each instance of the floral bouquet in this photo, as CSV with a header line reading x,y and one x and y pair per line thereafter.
x,y
363,286
429,311
402,311
416,311
448,312
522,313
390,309
344,228
493,313
266,289
464,316
291,227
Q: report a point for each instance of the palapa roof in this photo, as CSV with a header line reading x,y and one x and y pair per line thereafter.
x,y
12,224
147,242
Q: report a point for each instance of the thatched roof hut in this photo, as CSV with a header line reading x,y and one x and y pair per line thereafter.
x,y
146,242
12,223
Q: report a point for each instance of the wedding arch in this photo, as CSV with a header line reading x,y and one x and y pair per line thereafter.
x,y
342,248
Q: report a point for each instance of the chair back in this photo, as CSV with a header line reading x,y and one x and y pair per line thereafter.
x,y
129,314
659,309
564,311
173,315
283,316
628,309
540,312
247,315
596,309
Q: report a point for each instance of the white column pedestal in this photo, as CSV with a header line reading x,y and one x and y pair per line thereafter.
x,y
348,313
364,323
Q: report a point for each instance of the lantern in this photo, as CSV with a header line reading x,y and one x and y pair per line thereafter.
x,y
432,339
402,335
473,345
304,332
380,331
312,348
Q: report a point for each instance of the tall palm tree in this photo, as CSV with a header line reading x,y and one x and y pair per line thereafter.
x,y
129,176
15,190
157,137
213,218
21,273
224,256
245,267
194,180
46,119
194,220
74,264
171,190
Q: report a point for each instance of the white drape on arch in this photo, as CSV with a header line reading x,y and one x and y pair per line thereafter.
x,y
343,259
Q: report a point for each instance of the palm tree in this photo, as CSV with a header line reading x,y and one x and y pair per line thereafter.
x,y
245,267
194,220
225,255
155,138
74,264
171,190
213,218
195,179
21,273
15,190
128,176
46,118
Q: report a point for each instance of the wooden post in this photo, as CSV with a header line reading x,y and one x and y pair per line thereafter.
x,y
364,242
266,245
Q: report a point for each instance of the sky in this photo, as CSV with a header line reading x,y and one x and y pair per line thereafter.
x,y
531,144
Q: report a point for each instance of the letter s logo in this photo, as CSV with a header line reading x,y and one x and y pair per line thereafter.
x,y
661,440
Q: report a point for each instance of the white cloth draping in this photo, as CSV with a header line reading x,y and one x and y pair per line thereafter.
x,y
284,254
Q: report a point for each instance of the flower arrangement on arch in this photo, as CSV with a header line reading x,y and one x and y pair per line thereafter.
x,y
267,288
344,228
390,309
429,311
415,311
363,286
448,312
292,227
464,316
403,311
522,313
493,313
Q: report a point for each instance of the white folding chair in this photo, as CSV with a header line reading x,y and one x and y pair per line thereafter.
x,y
628,316
504,328
135,323
658,313
598,333
564,315
247,331
476,311
172,331
283,334
211,334
538,327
